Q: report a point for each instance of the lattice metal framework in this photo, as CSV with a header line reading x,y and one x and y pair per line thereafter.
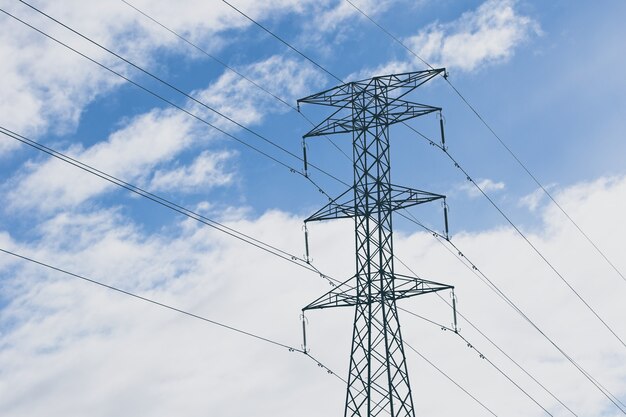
x,y
378,381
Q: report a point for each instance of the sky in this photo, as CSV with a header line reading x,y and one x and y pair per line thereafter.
x,y
545,76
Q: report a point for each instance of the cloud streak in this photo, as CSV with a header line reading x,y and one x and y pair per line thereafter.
x,y
118,354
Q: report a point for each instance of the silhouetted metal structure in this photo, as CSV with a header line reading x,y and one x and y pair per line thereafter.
x,y
378,381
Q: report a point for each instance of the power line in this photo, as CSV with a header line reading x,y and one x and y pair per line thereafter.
x,y
151,301
293,108
284,42
225,2
179,209
224,64
539,253
165,202
171,308
449,378
214,322
228,67
195,216
523,236
482,356
500,140
335,77
164,82
491,285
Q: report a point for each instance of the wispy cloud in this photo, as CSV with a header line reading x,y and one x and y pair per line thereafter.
x,y
485,36
46,87
156,139
71,348
490,34
485,184
208,170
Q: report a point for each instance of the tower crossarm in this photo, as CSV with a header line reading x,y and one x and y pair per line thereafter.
x,y
345,294
340,96
333,125
345,94
343,207
403,197
400,110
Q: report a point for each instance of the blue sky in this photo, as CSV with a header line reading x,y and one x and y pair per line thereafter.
x,y
546,76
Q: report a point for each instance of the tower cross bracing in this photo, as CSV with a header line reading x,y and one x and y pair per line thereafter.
x,y
378,380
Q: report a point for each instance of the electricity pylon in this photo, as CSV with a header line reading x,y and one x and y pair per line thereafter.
x,y
378,381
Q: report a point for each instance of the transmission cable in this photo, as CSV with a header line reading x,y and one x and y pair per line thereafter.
x,y
164,82
284,42
165,203
292,169
500,140
171,308
337,78
490,284
482,356
224,64
521,234
136,189
188,213
230,68
441,371
543,257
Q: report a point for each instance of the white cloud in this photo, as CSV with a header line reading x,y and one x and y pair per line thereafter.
x,y
156,140
74,349
488,35
330,19
481,37
485,184
532,200
146,141
46,87
206,171
240,100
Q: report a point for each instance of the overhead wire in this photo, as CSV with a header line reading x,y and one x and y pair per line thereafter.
x,y
449,378
230,68
218,323
283,41
194,45
483,356
500,140
171,308
522,235
168,204
491,285
119,74
163,201
292,48
164,82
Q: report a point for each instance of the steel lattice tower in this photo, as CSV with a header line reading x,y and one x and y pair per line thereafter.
x,y
378,381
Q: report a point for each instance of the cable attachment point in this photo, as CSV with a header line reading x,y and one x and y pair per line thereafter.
x,y
307,258
304,323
